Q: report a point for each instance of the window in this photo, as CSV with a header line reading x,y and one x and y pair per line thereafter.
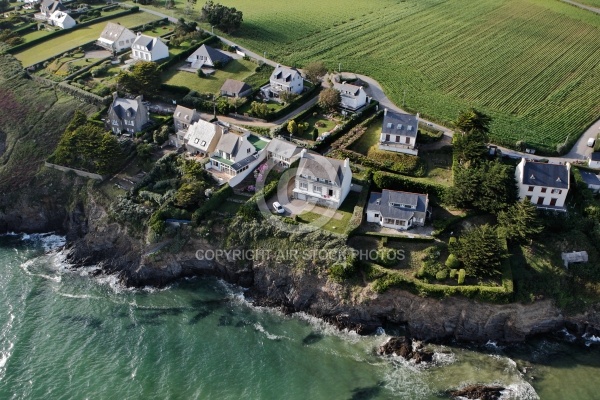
x,y
543,190
407,140
317,189
203,143
556,191
528,198
387,138
304,185
540,200
553,202
376,215
530,189
248,151
397,138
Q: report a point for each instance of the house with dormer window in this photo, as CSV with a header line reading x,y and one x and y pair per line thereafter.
x,y
202,137
148,48
322,180
206,56
127,115
545,185
398,210
352,97
183,117
116,38
399,132
284,79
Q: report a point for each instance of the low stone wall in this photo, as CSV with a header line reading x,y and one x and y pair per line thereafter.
x,y
77,171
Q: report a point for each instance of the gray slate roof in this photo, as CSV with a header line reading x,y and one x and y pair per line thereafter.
x,y
380,202
321,167
590,178
213,54
284,75
595,156
112,31
234,86
550,175
121,106
347,89
228,143
145,41
400,124
185,114
283,148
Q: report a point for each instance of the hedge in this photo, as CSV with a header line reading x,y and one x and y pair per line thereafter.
x,y
386,180
398,238
61,32
359,212
212,203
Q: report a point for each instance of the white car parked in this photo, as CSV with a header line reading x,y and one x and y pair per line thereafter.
x,y
278,208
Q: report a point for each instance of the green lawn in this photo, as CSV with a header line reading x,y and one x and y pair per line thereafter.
x,y
369,140
236,69
337,225
78,37
325,125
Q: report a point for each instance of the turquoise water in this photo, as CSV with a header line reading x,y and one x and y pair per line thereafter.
x,y
66,335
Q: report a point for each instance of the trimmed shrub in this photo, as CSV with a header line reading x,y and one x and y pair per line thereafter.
x,y
461,276
386,180
441,275
453,273
452,262
212,203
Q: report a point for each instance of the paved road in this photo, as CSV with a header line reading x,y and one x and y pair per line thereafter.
x,y
579,151
589,8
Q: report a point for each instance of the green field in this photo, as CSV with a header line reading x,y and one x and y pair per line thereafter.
x,y
532,64
78,37
236,69
593,3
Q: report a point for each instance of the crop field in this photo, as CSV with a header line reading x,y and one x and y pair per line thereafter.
x,y
593,3
531,64
78,37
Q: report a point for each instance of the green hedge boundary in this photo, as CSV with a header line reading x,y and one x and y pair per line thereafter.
x,y
212,203
398,238
312,92
62,32
386,180
491,294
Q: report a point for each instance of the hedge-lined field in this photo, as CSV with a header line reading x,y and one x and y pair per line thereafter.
x,y
532,64
76,38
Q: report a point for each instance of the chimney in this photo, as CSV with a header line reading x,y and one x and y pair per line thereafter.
x,y
347,163
115,95
385,111
303,153
418,115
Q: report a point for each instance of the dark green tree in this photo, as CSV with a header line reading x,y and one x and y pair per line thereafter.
x,y
520,222
190,194
473,121
227,19
481,251
143,78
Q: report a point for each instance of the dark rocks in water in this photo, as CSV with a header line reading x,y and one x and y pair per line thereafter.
x,y
481,392
225,320
406,348
198,317
345,322
96,272
365,393
312,338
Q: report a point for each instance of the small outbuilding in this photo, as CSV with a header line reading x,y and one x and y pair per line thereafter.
x,y
574,257
234,88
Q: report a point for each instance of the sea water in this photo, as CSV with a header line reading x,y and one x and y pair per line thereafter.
x,y
67,335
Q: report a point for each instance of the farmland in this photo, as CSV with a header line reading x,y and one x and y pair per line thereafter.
x,y
531,64
78,37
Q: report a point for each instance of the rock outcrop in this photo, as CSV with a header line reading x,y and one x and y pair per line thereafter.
x,y
480,392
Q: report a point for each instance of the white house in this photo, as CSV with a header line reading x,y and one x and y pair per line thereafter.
x,y
116,38
62,20
148,48
352,97
206,56
398,210
399,132
591,180
284,79
202,137
234,154
322,180
545,185
282,152
594,160
49,7
183,117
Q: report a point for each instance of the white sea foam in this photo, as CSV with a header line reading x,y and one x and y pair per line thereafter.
x,y
519,391
29,263
77,296
49,241
568,336
270,336
589,339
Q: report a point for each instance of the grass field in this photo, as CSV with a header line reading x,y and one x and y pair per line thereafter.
x,y
236,69
336,224
532,64
76,38
593,3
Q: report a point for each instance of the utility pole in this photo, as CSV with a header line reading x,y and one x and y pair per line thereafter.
x,y
214,108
